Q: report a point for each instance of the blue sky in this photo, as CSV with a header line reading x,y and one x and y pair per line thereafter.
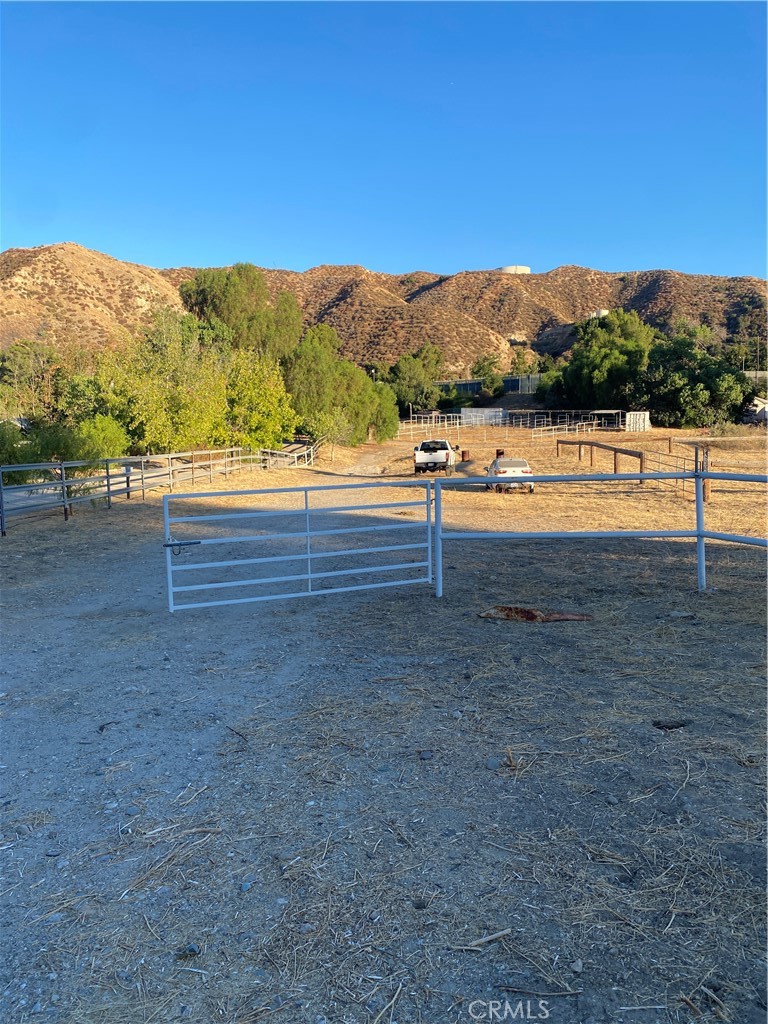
x,y
399,136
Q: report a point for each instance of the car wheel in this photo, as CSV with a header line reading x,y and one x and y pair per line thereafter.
x,y
499,488
530,489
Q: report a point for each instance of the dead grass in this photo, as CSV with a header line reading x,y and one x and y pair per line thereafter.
x,y
430,807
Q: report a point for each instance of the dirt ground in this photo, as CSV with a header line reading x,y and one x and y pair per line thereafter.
x,y
380,807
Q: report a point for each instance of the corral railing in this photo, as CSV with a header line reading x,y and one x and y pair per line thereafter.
x,y
50,486
422,425
318,531
290,455
47,486
700,534
320,540
540,433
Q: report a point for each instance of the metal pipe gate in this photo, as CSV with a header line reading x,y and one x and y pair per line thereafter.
x,y
313,536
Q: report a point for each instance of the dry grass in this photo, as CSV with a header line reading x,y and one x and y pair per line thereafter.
x,y
411,807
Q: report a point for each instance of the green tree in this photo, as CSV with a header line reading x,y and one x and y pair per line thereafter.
x,y
384,417
488,369
78,397
310,375
101,437
166,389
287,325
413,377
334,428
324,387
14,446
548,362
684,386
28,380
260,414
239,298
609,354
523,362
550,390
53,442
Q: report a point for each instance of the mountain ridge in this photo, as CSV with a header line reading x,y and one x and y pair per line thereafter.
x,y
72,295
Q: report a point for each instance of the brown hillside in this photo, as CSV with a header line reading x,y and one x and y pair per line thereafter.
x,y
73,294
67,293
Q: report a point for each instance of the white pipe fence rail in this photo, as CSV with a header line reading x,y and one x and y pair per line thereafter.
x,y
540,433
51,486
542,424
700,534
316,523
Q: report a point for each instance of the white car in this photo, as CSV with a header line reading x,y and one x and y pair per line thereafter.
x,y
514,472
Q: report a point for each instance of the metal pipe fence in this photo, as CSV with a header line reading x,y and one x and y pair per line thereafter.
x,y
423,425
700,534
320,527
540,433
58,486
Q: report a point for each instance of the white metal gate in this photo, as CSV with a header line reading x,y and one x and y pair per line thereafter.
x,y
329,542
313,530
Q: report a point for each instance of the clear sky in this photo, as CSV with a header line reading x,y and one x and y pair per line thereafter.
x,y
399,136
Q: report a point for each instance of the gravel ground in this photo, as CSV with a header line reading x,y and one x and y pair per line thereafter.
x,y
380,807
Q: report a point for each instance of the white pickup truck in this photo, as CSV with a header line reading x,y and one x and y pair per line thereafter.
x,y
430,456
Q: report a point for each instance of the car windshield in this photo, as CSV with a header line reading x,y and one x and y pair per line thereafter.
x,y
512,464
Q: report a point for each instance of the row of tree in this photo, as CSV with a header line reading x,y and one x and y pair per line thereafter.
x,y
618,361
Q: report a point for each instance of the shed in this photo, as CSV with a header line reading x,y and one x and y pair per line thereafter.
x,y
757,412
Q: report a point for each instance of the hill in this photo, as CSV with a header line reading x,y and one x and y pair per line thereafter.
x,y
69,294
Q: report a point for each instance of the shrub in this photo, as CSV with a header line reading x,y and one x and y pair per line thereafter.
x,y
101,437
